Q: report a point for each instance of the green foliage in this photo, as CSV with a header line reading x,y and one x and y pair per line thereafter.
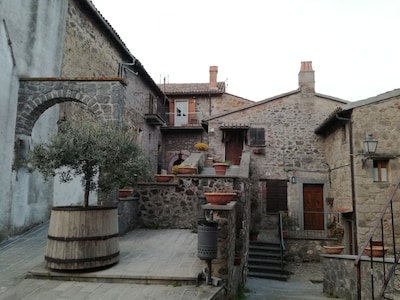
x,y
95,150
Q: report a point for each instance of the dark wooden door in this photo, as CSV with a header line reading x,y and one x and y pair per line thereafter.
x,y
313,206
233,146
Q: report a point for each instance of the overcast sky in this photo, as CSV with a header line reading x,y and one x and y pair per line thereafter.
x,y
258,44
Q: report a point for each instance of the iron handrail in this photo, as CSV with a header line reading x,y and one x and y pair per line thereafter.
x,y
281,240
368,242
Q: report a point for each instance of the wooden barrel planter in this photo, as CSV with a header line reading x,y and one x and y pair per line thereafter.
x,y
82,238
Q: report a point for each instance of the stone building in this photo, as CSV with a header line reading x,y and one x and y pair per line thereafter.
x,y
288,167
53,54
360,184
189,104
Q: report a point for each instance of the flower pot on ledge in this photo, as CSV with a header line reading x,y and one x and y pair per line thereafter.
x,y
164,177
377,251
220,168
124,193
333,249
219,198
187,170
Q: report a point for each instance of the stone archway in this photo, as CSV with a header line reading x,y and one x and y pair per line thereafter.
x,y
103,97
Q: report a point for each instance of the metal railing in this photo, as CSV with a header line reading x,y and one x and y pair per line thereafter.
x,y
296,225
157,107
281,240
379,225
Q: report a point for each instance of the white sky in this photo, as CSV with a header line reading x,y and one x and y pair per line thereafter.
x,y
258,44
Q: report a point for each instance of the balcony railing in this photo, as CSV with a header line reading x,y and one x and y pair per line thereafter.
x,y
157,113
191,119
312,224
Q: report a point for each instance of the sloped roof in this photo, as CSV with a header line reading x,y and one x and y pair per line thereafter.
x,y
272,99
191,88
342,113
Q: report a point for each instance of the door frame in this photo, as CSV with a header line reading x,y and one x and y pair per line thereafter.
x,y
300,184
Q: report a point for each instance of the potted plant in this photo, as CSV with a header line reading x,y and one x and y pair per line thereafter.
x,y
221,167
186,169
254,234
220,197
104,156
201,146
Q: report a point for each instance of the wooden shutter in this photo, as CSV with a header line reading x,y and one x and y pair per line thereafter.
x,y
257,136
276,195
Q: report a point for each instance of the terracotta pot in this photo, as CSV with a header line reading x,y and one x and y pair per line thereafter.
x,y
333,249
123,193
377,251
219,198
187,170
220,168
164,177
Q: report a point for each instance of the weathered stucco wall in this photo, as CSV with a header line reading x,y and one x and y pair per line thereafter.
x,y
35,29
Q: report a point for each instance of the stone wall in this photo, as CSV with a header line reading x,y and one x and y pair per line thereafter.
x,y
304,250
381,120
340,276
128,212
88,51
177,204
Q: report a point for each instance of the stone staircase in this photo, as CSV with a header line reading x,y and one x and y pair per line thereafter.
x,y
265,261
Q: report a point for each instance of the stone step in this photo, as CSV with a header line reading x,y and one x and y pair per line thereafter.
x,y
265,261
282,277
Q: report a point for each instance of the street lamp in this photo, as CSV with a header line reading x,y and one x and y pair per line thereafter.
x,y
370,145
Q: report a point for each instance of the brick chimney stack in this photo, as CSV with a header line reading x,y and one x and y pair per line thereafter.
x,y
213,77
306,77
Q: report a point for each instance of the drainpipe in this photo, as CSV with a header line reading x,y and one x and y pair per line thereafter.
x,y
122,67
353,190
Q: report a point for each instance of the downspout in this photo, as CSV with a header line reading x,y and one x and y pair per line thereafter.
x,y
122,67
353,190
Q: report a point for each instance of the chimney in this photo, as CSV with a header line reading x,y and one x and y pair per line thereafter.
x,y
213,77
306,77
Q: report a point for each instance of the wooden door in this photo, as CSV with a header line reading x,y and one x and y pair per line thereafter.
x,y
233,146
313,206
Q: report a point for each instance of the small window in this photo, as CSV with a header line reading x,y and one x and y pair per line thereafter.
x,y
257,137
381,170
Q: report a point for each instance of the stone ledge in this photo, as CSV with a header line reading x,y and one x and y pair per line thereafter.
x,y
228,206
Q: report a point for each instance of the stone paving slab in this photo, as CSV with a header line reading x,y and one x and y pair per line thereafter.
x,y
157,256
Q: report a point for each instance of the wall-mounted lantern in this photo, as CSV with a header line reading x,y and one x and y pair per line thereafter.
x,y
370,145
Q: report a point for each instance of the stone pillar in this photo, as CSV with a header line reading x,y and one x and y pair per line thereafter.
x,y
223,266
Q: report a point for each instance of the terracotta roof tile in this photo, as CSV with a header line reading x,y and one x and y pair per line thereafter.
x,y
191,88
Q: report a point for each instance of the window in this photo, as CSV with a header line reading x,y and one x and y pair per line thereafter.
x,y
257,137
381,170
